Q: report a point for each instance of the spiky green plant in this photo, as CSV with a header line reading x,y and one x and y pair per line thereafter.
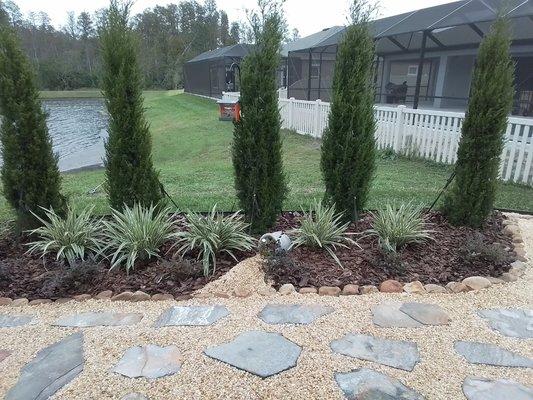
x,y
214,234
137,233
397,227
322,228
71,238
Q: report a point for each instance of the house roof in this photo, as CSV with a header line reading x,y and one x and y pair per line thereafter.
x,y
452,24
236,50
312,41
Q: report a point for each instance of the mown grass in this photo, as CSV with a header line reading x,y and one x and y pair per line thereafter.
x,y
192,150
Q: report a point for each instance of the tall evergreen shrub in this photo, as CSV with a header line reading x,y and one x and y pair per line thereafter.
x,y
130,174
30,174
348,145
471,198
257,153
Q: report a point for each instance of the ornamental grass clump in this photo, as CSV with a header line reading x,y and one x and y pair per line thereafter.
x,y
322,228
397,227
71,238
137,234
213,234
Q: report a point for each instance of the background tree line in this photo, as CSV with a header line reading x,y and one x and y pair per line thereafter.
x,y
69,58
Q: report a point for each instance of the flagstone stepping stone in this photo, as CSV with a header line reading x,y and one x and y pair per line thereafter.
x,y
293,313
149,361
4,354
388,315
427,314
510,322
50,370
91,319
259,353
367,384
483,353
393,353
12,321
486,389
192,316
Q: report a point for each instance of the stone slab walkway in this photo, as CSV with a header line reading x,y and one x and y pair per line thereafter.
x,y
378,346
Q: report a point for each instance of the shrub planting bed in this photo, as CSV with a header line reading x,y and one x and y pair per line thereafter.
x,y
453,253
29,276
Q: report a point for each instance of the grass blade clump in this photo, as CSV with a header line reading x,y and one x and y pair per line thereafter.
x,y
71,238
397,227
137,233
213,234
322,228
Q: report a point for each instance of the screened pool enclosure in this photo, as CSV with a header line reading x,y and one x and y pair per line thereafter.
x,y
216,71
425,58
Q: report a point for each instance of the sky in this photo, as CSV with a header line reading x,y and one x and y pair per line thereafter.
x,y
308,16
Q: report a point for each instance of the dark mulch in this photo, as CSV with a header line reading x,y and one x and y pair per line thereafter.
x,y
439,261
23,275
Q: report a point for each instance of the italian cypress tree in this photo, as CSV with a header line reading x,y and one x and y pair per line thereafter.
x,y
130,174
471,198
30,173
348,144
257,153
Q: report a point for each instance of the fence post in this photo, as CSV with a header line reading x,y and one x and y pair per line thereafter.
x,y
399,129
317,119
290,113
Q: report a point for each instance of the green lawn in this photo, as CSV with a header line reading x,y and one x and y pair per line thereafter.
x,y
192,150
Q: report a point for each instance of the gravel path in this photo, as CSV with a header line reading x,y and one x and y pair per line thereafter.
x,y
439,375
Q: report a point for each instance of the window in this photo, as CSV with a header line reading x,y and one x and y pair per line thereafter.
x,y
412,70
315,69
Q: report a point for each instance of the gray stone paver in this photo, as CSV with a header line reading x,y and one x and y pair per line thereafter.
x,y
501,389
367,384
91,319
427,314
388,315
192,316
260,353
293,313
510,322
12,321
483,353
393,353
50,370
149,361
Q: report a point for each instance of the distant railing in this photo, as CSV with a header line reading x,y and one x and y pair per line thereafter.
x,y
428,134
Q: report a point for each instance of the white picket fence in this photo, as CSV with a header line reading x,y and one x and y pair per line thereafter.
x,y
429,134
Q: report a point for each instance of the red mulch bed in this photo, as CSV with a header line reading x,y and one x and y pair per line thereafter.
x,y
23,275
438,261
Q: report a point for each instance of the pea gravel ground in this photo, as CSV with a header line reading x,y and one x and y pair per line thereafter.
x,y
439,375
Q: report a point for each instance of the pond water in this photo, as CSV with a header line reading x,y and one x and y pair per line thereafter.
x,y
78,128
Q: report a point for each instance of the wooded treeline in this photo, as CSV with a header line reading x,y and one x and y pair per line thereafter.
x,y
68,58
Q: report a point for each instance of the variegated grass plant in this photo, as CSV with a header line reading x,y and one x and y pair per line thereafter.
x,y
212,234
137,234
396,227
71,238
322,228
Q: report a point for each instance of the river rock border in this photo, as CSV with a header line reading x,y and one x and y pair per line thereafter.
x,y
473,283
